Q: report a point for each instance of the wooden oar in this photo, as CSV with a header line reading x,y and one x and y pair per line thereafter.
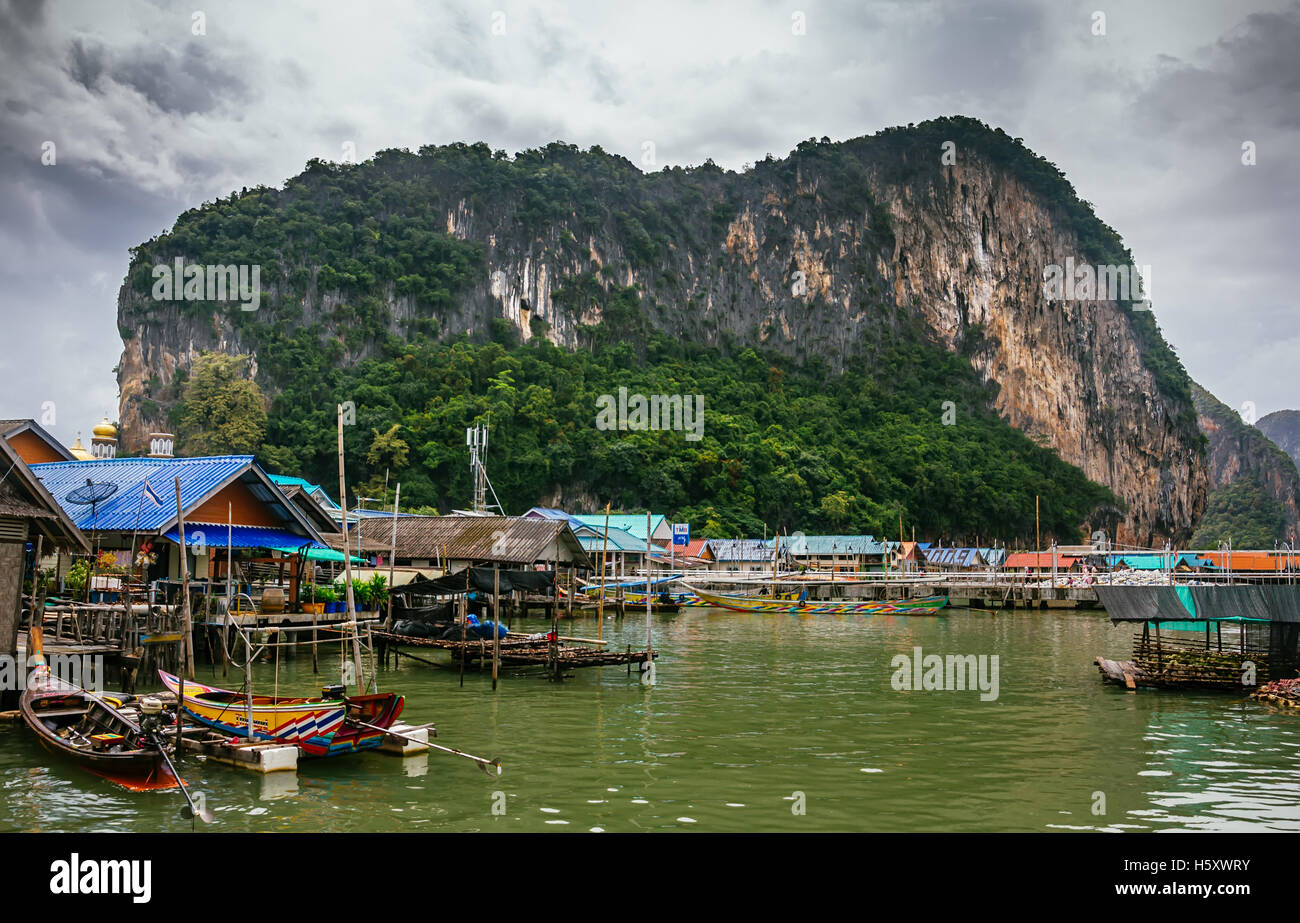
x,y
203,813
482,763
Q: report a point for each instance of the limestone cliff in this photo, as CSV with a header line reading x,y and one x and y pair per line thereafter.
x,y
821,255
1282,427
1238,451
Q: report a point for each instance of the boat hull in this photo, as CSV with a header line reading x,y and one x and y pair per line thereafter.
x,y
88,730
319,727
928,605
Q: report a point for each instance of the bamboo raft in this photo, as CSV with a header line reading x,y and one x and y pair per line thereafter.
x,y
1186,662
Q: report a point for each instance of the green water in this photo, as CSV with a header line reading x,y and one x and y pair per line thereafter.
x,y
748,711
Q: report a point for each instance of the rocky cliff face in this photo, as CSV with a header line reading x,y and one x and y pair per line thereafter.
x,y
1282,427
1239,451
821,255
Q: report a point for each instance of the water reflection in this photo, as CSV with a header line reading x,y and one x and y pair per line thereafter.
x,y
748,709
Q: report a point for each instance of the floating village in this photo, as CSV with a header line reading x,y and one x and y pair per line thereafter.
x,y
123,580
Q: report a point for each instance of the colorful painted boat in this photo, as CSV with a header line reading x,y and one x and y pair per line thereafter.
x,y
926,605
325,726
677,599
100,733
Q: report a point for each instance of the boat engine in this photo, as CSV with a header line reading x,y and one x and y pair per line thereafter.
x,y
332,692
151,720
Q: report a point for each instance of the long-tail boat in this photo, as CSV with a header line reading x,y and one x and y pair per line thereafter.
x,y
924,605
97,732
326,726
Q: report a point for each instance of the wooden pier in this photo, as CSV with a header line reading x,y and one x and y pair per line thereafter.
x,y
976,591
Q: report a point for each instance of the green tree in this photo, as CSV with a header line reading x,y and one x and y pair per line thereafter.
x,y
388,450
221,410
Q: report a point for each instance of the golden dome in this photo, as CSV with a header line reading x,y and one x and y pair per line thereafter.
x,y
79,451
105,430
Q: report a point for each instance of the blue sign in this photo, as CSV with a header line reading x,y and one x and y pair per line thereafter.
x,y
681,533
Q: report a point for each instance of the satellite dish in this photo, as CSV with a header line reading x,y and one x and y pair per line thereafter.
x,y
92,492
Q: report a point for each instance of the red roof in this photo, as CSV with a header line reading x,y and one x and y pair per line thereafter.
x,y
1040,559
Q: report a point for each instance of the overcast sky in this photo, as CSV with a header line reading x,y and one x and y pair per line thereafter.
x,y
149,118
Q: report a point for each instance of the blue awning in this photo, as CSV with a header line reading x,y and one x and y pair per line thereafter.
x,y
213,535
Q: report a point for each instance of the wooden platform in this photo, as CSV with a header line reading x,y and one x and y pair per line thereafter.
x,y
563,655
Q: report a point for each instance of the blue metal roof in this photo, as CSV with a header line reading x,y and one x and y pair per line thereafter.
x,y
740,549
994,556
214,534
550,512
131,507
954,557
829,545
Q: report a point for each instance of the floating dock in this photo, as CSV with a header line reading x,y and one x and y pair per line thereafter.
x,y
557,657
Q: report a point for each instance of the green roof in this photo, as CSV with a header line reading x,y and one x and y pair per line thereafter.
x,y
593,540
632,523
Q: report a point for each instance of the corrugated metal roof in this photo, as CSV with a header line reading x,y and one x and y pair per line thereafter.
x,y
954,557
592,540
213,535
828,545
503,539
628,522
1040,559
129,507
315,491
550,512
740,549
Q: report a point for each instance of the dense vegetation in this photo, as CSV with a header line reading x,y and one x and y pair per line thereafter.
x,y
782,447
1244,512
221,408
787,442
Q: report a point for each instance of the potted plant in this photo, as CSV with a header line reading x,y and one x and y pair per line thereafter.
x,y
325,598
378,592
315,605
75,581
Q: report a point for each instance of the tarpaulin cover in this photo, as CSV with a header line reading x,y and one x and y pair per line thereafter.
x,y
1275,603
481,579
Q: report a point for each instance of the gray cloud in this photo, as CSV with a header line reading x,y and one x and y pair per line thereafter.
x,y
149,120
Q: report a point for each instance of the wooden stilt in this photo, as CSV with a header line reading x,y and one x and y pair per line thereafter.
x,y
496,624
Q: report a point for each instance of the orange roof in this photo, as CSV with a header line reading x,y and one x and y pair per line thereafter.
x,y
693,549
1249,560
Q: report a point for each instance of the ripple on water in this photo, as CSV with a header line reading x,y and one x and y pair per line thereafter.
x,y
765,707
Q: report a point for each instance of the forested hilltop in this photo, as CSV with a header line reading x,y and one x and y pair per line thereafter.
x,y
865,322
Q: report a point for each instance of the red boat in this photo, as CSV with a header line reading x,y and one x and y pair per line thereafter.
x,y
99,733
